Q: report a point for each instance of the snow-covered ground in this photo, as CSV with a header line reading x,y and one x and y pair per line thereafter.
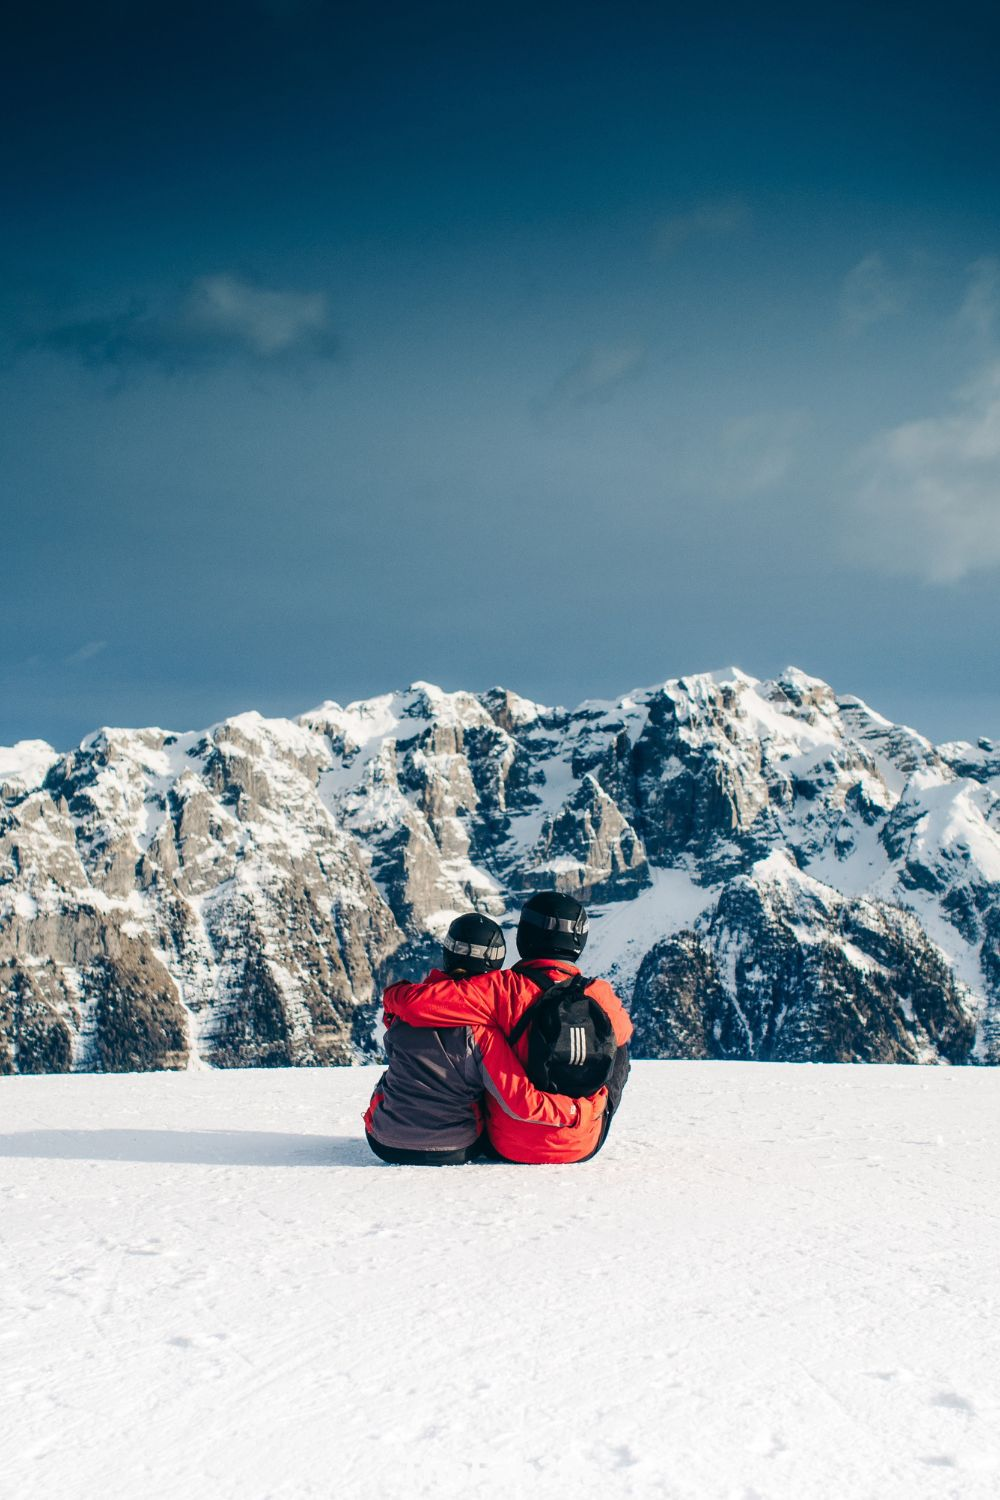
x,y
776,1281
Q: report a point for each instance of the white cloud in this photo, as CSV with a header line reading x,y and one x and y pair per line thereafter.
x,y
929,496
713,218
265,322
870,293
86,652
598,371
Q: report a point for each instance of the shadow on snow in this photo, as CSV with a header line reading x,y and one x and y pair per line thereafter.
x,y
210,1148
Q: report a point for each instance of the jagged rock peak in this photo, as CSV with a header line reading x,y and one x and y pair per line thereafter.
x,y
765,861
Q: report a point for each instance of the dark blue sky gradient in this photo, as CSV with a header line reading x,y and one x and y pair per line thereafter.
x,y
589,321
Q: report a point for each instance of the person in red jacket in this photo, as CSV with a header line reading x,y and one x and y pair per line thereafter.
x,y
426,1109
551,935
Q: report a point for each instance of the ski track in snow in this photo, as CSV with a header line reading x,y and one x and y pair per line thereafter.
x,y
776,1281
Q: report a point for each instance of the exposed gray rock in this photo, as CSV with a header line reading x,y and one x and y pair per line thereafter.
x,y
799,877
139,1021
864,986
678,1000
34,1036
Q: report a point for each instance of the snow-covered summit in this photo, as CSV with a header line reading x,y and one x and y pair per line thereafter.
x,y
238,895
24,766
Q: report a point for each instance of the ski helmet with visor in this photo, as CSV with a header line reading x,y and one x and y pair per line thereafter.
x,y
473,945
552,925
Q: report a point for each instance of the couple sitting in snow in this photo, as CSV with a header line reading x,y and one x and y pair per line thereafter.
x,y
527,1063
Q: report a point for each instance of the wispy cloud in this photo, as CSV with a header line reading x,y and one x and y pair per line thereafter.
x,y
980,309
753,454
929,496
760,450
86,652
870,293
712,218
218,318
597,374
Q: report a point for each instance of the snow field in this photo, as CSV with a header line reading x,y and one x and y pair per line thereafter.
x,y
775,1281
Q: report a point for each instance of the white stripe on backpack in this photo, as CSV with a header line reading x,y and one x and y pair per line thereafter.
x,y
577,1045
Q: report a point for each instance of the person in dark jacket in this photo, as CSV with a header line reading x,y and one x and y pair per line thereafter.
x,y
427,1106
551,935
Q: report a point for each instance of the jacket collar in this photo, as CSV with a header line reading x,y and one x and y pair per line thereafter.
x,y
547,963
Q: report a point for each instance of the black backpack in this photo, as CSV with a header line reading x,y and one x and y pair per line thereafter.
x,y
571,1045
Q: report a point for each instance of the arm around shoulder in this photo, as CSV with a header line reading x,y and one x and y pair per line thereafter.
x,y
504,1077
441,1001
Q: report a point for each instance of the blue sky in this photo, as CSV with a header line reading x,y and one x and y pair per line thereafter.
x,y
565,346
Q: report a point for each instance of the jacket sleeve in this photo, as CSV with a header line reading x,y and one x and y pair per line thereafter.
x,y
504,1077
440,1002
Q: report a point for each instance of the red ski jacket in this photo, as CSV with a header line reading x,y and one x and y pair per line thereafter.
x,y
429,1097
497,1000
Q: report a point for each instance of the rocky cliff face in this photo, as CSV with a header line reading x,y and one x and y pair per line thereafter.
x,y
772,872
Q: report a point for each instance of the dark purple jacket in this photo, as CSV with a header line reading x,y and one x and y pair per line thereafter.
x,y
428,1097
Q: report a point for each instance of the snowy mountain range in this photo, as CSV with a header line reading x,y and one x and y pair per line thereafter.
x,y
773,872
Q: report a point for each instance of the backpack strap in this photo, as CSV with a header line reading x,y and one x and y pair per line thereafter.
x,y
537,977
544,984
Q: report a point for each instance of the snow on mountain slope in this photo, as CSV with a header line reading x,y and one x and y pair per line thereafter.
x,y
774,871
774,1282
25,765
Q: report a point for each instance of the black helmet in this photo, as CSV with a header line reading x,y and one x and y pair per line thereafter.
x,y
551,926
473,944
